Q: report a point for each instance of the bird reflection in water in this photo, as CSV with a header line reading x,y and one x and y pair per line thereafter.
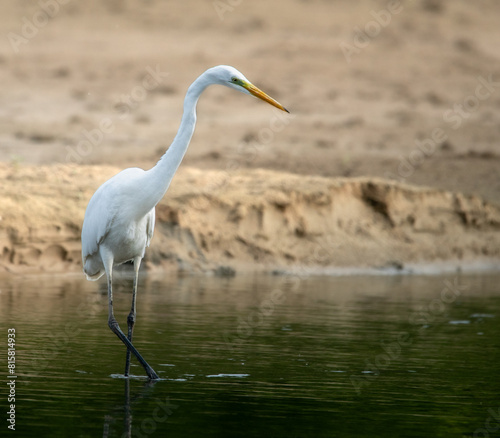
x,y
159,414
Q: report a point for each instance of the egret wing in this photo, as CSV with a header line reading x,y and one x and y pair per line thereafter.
x,y
103,208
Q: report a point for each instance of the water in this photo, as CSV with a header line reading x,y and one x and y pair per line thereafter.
x,y
388,356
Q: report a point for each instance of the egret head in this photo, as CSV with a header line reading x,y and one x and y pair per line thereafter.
x,y
232,78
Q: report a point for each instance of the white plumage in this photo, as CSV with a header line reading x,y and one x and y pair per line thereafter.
x,y
120,217
112,220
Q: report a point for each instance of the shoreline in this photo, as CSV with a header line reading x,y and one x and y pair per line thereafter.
x,y
472,267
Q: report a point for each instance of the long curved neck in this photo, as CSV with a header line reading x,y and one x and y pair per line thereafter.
x,y
157,180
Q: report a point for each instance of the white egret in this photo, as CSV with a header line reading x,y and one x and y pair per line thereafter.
x,y
120,217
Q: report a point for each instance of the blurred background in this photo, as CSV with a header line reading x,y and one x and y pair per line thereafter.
x,y
367,82
406,91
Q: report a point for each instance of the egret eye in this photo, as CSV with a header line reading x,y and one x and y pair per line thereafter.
x,y
234,80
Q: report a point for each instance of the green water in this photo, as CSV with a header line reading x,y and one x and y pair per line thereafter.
x,y
295,356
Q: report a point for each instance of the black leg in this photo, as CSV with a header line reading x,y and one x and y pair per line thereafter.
x,y
113,324
132,314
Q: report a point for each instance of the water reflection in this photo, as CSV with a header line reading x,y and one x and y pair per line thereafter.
x,y
277,356
124,411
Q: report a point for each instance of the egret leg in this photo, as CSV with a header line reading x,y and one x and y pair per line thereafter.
x,y
131,315
113,323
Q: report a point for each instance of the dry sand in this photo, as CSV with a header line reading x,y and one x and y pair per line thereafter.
x,y
253,219
389,158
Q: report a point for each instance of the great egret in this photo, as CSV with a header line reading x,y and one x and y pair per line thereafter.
x,y
120,216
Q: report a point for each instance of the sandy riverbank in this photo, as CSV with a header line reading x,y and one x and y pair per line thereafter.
x,y
252,220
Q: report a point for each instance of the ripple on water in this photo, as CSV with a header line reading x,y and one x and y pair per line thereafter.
x,y
228,375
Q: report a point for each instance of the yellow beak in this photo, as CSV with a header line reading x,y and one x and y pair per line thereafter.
x,y
261,95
